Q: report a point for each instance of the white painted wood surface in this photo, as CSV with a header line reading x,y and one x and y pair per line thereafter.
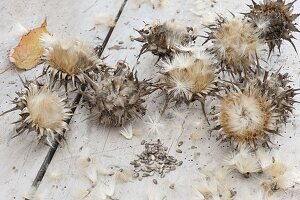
x,y
107,146
22,157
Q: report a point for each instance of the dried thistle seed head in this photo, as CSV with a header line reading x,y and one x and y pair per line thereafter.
x,y
118,96
165,39
67,59
254,109
187,78
281,21
235,43
42,111
246,116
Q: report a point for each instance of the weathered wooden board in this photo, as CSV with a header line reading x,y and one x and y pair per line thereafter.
x,y
65,179
23,156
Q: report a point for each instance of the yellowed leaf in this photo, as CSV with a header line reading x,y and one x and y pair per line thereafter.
x,y
28,53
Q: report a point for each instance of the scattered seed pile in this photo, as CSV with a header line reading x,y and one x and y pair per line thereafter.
x,y
154,159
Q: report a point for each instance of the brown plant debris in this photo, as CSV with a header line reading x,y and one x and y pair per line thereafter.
x,y
29,51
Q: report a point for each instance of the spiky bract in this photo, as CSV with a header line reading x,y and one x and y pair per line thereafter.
x,y
118,96
281,21
42,111
235,43
165,39
67,59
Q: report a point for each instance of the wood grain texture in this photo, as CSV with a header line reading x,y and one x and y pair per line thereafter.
x,y
106,145
23,156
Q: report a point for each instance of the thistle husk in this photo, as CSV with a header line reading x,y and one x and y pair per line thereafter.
x,y
252,110
165,39
235,43
117,96
42,111
66,60
281,21
186,82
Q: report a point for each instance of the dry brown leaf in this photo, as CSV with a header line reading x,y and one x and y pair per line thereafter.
x,y
29,50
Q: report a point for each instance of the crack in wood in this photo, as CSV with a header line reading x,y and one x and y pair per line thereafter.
x,y
41,173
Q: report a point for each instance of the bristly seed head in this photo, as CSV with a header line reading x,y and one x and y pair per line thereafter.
x,y
67,59
118,96
42,111
254,109
187,78
235,44
281,21
165,39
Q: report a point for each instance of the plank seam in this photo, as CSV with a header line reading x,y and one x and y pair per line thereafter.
x,y
41,173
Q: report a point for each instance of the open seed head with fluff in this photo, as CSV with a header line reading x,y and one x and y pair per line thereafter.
x,y
235,43
117,96
186,78
254,109
246,115
42,111
280,21
67,59
165,39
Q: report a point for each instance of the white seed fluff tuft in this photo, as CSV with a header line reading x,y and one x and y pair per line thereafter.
x,y
244,161
127,132
105,19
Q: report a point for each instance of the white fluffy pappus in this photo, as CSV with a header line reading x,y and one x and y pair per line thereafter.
x,y
105,189
91,173
179,61
281,183
105,19
123,176
85,158
34,194
54,174
66,59
279,175
127,132
244,161
214,185
154,124
95,170
154,3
